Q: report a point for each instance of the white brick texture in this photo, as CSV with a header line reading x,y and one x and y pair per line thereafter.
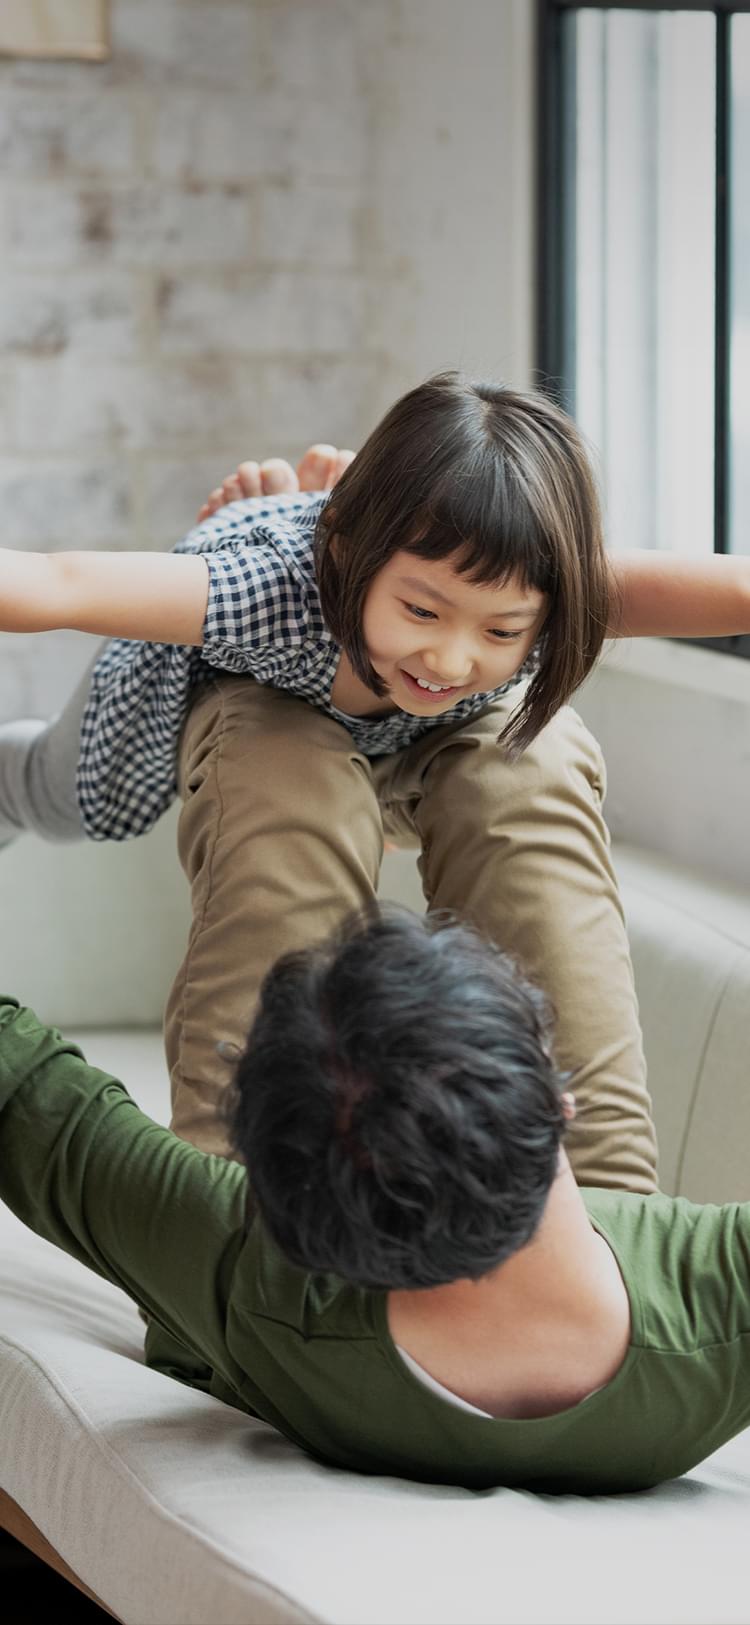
x,y
211,44
146,224
310,225
111,404
261,313
85,134
334,394
48,504
251,227
42,313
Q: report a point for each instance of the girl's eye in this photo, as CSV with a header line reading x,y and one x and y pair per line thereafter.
x,y
421,614
496,632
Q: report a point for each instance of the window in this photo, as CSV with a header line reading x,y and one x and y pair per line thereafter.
x,y
644,330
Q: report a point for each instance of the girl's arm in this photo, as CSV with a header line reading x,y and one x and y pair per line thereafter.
x,y
663,595
153,597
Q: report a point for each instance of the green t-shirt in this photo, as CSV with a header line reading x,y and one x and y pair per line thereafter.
x,y
82,1166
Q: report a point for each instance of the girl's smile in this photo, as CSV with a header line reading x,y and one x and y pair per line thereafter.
x,y
435,637
425,689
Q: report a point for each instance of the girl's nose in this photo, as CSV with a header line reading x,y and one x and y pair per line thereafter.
x,y
449,663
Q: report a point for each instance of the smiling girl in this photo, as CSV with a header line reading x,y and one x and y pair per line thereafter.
x,y
316,670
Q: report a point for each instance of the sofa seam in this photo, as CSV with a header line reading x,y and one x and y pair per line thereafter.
x,y
700,1069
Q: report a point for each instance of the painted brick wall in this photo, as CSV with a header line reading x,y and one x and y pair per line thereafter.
x,y
254,226
180,239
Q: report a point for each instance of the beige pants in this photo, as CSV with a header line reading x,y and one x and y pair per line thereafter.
x,y
281,834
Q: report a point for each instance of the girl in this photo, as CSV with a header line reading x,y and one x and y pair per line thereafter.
x,y
400,655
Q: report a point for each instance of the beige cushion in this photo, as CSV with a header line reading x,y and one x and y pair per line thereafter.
x,y
690,939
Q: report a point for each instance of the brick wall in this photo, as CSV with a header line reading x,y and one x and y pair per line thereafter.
x,y
180,230
255,225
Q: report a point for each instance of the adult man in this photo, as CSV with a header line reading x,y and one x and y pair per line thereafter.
x,y
417,1285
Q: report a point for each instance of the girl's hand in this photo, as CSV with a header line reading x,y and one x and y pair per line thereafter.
x,y
318,470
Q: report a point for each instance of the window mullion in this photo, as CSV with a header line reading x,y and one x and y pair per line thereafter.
x,y
722,305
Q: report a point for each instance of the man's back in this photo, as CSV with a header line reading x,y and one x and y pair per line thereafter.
x,y
81,1165
323,1351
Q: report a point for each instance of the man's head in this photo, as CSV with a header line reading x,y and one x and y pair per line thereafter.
x,y
397,1106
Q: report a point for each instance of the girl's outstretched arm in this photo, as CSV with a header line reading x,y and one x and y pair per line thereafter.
x,y
663,595
153,597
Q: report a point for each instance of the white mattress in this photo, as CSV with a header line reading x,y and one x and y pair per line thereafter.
x,y
175,1508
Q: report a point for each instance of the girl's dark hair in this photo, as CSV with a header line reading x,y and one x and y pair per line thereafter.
x,y
501,480
397,1107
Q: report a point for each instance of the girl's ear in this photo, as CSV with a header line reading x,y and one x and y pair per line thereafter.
x,y
568,1106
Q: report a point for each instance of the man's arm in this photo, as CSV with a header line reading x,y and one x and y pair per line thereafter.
x,y
663,595
83,1167
157,597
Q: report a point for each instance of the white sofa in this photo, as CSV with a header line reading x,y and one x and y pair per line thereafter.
x,y
174,1509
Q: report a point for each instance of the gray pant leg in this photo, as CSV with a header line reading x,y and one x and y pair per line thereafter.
x,y
38,773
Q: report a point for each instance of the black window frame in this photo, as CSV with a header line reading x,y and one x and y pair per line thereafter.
x,y
552,224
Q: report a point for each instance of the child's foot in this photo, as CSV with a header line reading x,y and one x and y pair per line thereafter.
x,y
273,477
321,467
318,470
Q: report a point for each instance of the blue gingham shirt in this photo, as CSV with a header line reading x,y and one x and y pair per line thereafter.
x,y
263,621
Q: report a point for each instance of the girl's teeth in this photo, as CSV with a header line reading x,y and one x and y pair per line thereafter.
x,y
433,688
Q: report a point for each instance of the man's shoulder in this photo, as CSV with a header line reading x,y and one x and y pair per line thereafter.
x,y
628,1218
686,1266
308,1303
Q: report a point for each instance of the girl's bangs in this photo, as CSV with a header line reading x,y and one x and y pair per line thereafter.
x,y
492,539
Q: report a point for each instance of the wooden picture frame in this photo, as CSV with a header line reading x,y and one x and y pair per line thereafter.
x,y
55,28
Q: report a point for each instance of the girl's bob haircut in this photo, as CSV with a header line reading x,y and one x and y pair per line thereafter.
x,y
498,481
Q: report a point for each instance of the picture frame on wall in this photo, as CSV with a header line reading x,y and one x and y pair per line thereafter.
x,y
55,28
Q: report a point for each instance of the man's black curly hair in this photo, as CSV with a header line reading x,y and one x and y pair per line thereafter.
x,y
397,1107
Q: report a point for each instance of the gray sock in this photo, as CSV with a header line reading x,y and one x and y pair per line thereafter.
x,y
38,772
16,741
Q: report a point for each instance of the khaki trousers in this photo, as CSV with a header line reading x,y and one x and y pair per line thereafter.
x,y
281,835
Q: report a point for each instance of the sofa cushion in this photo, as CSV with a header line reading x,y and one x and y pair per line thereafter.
x,y
690,940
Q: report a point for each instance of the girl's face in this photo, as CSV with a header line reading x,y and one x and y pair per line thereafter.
x,y
435,637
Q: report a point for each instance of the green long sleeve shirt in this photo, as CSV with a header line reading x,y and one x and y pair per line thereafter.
x,y
85,1168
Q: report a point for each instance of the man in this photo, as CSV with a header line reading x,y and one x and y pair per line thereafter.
x,y
404,1277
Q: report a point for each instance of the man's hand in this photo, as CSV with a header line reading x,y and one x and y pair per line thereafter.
x,y
318,470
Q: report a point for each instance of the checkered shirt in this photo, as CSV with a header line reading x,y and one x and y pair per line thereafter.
x,y
264,620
